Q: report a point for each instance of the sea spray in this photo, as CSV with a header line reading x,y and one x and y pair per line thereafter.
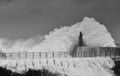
x,y
65,39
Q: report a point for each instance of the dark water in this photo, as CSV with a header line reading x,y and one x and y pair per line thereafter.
x,y
5,72
116,69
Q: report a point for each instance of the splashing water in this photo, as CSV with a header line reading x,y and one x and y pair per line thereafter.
x,y
64,39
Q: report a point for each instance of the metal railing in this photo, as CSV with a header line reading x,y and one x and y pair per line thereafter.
x,y
34,55
81,52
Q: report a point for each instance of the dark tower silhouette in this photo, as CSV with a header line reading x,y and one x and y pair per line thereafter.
x,y
81,42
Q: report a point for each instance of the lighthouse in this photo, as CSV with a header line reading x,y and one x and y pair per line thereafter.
x,y
81,42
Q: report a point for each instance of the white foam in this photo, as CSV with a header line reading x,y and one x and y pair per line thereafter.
x,y
65,39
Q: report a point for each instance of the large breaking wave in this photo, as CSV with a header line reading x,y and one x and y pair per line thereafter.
x,y
65,39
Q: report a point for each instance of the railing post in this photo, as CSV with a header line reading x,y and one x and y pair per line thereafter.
x,y
53,55
46,54
33,55
39,54
25,55
98,52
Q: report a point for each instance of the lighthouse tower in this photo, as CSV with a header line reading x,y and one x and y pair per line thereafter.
x,y
81,42
78,47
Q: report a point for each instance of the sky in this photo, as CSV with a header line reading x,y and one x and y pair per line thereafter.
x,y
26,18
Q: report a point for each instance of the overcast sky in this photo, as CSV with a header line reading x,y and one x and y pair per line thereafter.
x,y
26,18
